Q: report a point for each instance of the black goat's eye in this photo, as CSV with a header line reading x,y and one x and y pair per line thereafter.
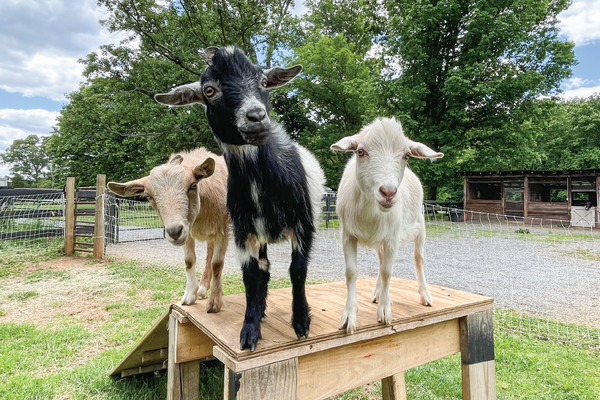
x,y
263,83
209,91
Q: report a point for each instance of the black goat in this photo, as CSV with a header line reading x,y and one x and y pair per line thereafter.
x,y
275,186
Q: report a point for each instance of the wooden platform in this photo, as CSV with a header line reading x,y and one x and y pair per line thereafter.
x,y
418,334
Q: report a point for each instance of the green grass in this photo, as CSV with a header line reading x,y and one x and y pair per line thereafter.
x,y
585,254
54,361
22,296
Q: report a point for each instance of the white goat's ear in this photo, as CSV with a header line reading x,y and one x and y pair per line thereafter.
x,y
182,95
278,76
348,143
209,54
419,150
128,189
204,170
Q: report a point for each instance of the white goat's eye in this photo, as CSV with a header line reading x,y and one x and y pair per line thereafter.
x,y
209,91
360,152
407,156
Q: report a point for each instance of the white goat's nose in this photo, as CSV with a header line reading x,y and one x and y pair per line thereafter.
x,y
388,191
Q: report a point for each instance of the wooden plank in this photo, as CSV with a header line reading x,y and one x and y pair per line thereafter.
x,y
479,381
70,216
327,373
155,356
394,387
99,218
191,344
143,370
277,381
327,303
156,338
477,337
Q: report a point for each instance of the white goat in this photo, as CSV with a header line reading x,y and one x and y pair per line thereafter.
x,y
380,206
191,207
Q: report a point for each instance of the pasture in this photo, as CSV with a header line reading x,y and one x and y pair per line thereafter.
x,y
67,321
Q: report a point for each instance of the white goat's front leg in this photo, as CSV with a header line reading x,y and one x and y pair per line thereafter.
x,y
420,266
384,312
377,289
191,286
207,273
350,244
215,300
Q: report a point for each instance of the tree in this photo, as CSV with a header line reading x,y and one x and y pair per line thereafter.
x,y
471,67
27,159
112,124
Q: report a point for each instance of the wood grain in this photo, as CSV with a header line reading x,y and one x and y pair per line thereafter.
x,y
327,304
394,387
479,381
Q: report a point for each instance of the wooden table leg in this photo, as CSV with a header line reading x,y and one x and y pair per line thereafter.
x,y
183,379
477,353
276,381
394,387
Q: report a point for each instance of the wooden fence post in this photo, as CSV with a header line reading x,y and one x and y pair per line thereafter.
x,y
70,216
99,217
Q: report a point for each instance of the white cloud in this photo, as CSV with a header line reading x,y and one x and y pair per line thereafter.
x,y
18,124
579,23
574,83
41,41
582,92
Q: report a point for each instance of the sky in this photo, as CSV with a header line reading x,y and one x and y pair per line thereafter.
x,y
41,41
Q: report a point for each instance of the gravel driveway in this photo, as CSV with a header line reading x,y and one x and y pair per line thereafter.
x,y
538,277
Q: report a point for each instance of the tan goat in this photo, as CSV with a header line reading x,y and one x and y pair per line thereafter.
x,y
192,208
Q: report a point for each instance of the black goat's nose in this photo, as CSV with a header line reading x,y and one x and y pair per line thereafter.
x,y
256,115
175,232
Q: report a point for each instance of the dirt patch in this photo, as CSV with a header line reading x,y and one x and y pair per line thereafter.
x,y
67,287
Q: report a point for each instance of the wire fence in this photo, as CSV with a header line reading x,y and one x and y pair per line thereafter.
x,y
31,224
542,274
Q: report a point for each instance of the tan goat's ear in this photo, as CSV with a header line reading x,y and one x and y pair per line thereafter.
x,y
204,170
348,143
182,95
419,150
129,189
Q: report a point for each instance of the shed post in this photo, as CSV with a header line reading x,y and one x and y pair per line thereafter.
x,y
525,195
597,200
70,216
99,217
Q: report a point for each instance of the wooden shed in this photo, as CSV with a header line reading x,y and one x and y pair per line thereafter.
x,y
571,195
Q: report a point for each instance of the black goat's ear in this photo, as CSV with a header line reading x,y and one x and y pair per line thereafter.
x,y
182,95
278,76
209,54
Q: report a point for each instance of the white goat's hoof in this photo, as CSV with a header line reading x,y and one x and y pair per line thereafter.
x,y
426,298
348,322
202,292
188,298
384,313
375,295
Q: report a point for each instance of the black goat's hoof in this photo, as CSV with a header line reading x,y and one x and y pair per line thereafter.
x,y
301,326
249,336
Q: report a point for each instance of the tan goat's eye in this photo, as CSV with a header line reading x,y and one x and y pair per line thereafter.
x,y
194,186
209,91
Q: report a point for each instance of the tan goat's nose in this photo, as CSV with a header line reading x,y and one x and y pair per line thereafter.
x,y
388,191
175,232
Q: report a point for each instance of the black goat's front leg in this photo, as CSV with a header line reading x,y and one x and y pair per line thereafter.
x,y
300,309
256,280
